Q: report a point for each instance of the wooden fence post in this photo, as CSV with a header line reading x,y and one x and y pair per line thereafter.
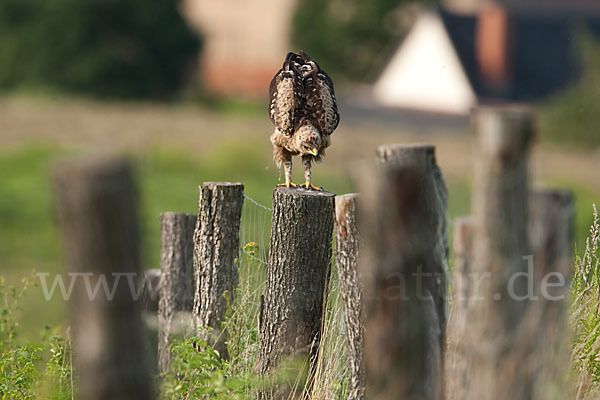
x,y
436,201
550,233
458,369
151,283
176,298
401,269
216,249
346,259
96,202
498,339
551,238
297,273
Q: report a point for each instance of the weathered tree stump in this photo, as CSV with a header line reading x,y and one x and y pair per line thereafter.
x,y
346,258
216,248
499,336
401,268
297,273
176,298
97,207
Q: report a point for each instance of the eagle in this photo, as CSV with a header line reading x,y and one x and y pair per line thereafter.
x,y
303,108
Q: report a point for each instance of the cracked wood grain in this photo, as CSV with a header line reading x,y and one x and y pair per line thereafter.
x,y
176,289
297,274
346,259
216,249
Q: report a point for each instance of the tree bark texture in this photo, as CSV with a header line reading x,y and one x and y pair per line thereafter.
x,y
402,268
216,249
292,303
97,208
499,337
346,258
177,278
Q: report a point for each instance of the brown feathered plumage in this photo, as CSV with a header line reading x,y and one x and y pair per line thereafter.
x,y
303,108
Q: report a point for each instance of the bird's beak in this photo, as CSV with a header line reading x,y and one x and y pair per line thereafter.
x,y
314,152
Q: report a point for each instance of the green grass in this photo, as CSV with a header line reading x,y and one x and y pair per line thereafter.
x,y
459,204
223,104
585,319
168,180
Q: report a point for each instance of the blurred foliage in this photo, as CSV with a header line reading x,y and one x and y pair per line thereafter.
x,y
572,115
351,39
107,48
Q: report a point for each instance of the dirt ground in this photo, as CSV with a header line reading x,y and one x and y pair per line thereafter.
x,y
139,126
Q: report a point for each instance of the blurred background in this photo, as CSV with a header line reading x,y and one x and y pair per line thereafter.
x,y
180,87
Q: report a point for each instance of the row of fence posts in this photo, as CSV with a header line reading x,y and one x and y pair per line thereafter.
x,y
401,342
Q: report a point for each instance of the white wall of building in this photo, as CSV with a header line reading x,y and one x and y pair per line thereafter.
x,y
425,73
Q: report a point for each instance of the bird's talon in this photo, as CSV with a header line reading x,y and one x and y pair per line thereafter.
x,y
310,186
288,184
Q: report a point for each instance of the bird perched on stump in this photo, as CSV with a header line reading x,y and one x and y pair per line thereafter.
x,y
303,108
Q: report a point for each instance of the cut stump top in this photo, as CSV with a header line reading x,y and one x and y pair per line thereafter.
x,y
299,192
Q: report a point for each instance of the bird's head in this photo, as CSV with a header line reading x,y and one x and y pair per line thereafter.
x,y
308,140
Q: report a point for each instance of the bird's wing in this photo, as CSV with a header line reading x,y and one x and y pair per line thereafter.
x,y
321,104
284,98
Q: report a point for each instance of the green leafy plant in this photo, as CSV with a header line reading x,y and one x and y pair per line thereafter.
x,y
59,367
18,372
9,306
197,372
23,373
